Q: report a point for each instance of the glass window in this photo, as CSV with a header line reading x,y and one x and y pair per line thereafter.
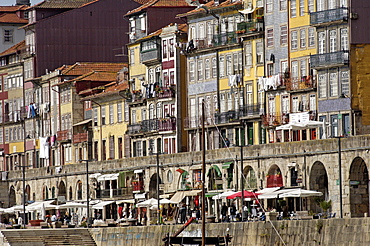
x,y
344,39
333,40
248,54
222,66
322,85
269,6
270,37
207,69
259,50
333,84
322,40
311,37
301,7
303,38
192,71
345,82
293,8
214,67
200,70
294,40
283,4
228,65
283,35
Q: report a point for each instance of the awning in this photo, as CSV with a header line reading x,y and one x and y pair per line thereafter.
x,y
112,176
211,194
138,171
247,11
195,167
101,205
217,169
268,190
181,194
227,165
224,195
125,201
275,194
94,175
82,122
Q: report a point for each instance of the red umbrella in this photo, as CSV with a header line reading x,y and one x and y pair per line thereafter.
x,y
247,194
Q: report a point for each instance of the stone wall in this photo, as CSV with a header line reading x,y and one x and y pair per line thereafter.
x,y
337,232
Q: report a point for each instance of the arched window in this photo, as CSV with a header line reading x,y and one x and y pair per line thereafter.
x,y
151,111
159,110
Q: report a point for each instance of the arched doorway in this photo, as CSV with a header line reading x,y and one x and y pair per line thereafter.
x,y
79,190
153,186
215,178
249,178
12,201
318,181
274,177
359,188
62,189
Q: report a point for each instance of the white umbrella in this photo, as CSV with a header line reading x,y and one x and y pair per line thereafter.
x,y
224,195
166,201
301,193
73,205
148,203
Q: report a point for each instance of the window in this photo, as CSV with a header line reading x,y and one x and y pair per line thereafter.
x,y
8,36
269,6
295,104
283,35
209,33
165,79
332,4
229,63
248,54
295,69
133,116
334,125
301,7
313,102
103,115
333,84
111,114
95,123
282,4
143,114
294,41
200,70
172,48
214,67
127,112
311,37
235,63
285,104
344,39
151,111
159,110
333,40
207,69
191,71
222,66
259,51
249,93
111,147
119,112
322,85
311,6
293,8
164,49
148,45
322,46
303,68
172,78
302,37
270,37
132,56
345,82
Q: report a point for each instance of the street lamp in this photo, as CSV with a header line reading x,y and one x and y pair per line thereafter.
x,y
24,190
87,192
340,175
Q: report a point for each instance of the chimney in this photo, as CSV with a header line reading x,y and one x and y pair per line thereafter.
x,y
23,2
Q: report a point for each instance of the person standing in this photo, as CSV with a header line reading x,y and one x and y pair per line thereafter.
x,y
183,214
227,143
224,212
233,212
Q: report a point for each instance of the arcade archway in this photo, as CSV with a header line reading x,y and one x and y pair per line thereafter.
x,y
358,188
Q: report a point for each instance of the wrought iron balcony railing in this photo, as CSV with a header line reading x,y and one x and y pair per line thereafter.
x,y
330,15
301,83
330,59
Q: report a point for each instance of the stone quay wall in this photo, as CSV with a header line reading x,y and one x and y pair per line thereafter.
x,y
349,232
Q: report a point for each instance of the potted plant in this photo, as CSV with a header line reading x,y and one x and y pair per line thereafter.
x,y
325,206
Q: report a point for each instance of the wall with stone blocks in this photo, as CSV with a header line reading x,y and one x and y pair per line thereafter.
x,y
349,232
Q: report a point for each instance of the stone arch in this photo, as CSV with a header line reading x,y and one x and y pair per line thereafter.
x,y
214,178
45,193
27,192
249,178
12,200
274,177
70,195
62,191
359,188
153,186
79,190
319,179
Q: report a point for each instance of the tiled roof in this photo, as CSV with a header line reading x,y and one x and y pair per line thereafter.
x,y
211,6
141,1
61,4
78,68
110,88
12,18
14,48
10,9
159,3
97,76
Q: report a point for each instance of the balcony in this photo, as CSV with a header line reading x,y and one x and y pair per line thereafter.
x,y
149,125
138,186
253,110
134,129
250,28
65,135
226,117
80,137
166,92
151,57
167,124
225,39
328,16
114,193
271,120
301,83
333,59
192,122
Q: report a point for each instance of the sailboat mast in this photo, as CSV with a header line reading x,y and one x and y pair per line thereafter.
x,y
203,179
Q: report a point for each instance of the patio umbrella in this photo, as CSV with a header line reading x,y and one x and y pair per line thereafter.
x,y
148,203
224,195
301,193
247,194
73,205
166,201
